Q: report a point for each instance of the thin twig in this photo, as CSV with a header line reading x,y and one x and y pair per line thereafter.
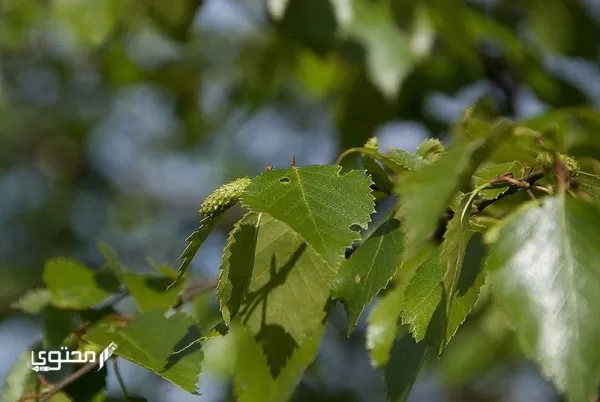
x,y
120,380
512,189
194,290
47,395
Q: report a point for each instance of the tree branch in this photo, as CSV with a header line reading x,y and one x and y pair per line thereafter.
x,y
47,395
512,189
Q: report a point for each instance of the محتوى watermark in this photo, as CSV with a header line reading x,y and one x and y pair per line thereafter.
x,y
57,358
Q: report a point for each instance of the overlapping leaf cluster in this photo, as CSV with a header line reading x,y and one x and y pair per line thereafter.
x,y
286,262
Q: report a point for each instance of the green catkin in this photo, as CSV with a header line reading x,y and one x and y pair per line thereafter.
x,y
372,144
546,160
431,149
224,197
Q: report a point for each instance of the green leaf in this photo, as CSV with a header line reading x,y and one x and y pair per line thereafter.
x,y
166,346
544,270
237,265
318,203
489,173
589,184
74,286
60,397
380,178
424,294
369,269
449,17
479,348
427,192
33,302
195,241
383,322
453,250
286,298
398,160
152,292
252,378
174,17
430,149
406,360
112,260
161,268
391,53
92,21
20,380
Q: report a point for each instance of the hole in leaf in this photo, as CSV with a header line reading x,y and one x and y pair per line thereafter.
x,y
284,180
355,228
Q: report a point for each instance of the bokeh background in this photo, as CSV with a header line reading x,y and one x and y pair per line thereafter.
x,y
117,118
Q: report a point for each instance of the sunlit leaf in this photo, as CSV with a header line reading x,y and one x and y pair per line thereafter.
x,y
424,294
427,192
391,53
165,346
318,203
589,184
489,173
384,320
252,377
544,270
74,286
20,380
152,292
285,300
237,265
369,269
33,302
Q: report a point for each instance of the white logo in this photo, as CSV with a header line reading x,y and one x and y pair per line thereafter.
x,y
76,356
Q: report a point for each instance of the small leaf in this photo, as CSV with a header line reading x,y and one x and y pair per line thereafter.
x,y
163,269
252,379
152,292
589,184
378,175
33,302
383,322
289,289
431,150
425,292
158,343
427,192
391,53
318,203
453,251
407,357
74,286
369,269
112,260
20,380
195,241
397,160
237,265
544,270
489,173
